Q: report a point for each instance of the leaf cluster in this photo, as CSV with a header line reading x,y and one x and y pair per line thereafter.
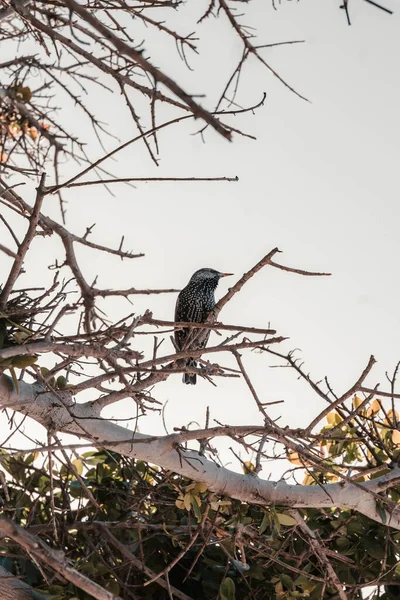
x,y
99,500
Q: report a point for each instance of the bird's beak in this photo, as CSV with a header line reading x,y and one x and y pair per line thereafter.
x,y
225,274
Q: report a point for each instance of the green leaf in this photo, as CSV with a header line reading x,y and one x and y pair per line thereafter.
x,y
61,382
287,581
196,508
305,584
30,459
256,572
264,523
6,362
14,378
227,589
373,547
381,512
75,489
23,360
113,587
345,575
355,526
26,93
342,543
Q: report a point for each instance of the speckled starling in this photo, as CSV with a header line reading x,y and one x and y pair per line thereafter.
x,y
193,305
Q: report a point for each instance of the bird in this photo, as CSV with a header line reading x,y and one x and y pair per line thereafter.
x,y
193,305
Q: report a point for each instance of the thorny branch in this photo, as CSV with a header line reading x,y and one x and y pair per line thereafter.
x,y
77,49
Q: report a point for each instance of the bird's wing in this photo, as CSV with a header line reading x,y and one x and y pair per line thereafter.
x,y
176,308
179,335
194,312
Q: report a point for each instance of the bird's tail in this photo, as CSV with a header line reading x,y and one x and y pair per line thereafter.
x,y
187,378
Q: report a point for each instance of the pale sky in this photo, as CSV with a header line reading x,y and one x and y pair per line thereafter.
x,y
321,182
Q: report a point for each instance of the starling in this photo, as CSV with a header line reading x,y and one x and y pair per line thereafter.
x,y
194,304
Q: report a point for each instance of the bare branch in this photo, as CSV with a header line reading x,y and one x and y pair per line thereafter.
x,y
150,179
24,247
138,57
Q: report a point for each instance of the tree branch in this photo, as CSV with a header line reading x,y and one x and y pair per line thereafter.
x,y
158,75
83,421
24,247
52,558
13,588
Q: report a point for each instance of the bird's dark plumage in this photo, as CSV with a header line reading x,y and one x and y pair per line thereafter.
x,y
193,305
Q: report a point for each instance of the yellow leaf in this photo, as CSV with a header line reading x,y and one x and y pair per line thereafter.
x,y
187,500
334,418
393,417
279,590
356,402
286,520
374,408
396,436
248,467
197,499
179,504
308,586
331,418
78,465
200,487
14,128
308,480
294,458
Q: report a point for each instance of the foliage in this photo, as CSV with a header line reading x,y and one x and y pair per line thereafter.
x,y
240,550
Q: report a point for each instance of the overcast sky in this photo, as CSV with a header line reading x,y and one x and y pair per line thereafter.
x,y
321,182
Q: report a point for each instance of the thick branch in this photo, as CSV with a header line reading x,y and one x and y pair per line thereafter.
x,y
81,420
75,350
